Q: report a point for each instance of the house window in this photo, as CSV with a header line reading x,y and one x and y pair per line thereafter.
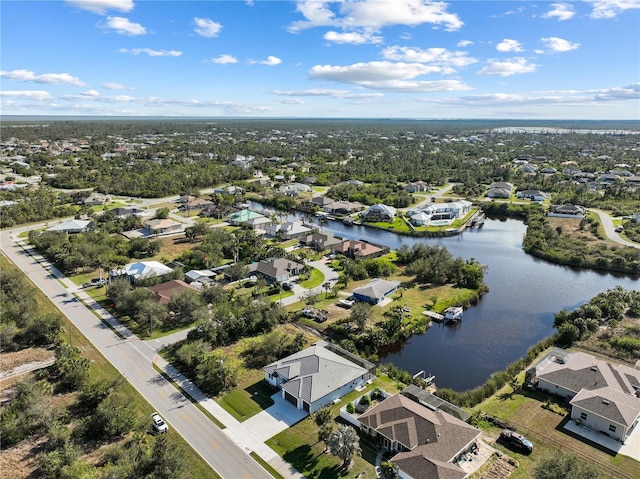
x,y
612,428
583,416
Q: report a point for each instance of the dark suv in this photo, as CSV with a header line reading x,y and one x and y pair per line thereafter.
x,y
516,440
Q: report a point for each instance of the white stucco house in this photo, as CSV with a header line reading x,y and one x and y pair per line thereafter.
x,y
316,376
604,397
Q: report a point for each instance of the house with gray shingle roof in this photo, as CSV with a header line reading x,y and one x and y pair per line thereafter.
x,y
72,226
375,290
603,396
428,442
316,376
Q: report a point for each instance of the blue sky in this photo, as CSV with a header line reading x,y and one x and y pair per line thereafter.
x,y
324,59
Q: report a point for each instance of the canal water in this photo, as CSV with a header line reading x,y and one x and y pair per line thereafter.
x,y
516,313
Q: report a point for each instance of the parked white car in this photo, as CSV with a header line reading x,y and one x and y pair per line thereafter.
x,y
158,423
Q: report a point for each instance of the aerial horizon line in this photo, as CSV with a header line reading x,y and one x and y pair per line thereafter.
x,y
381,118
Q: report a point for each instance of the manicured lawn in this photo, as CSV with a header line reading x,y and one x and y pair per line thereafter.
x,y
316,278
247,402
399,225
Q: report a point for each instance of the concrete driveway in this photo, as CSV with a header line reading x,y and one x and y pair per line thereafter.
x,y
274,419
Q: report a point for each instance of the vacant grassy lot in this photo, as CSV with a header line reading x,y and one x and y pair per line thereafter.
x,y
524,411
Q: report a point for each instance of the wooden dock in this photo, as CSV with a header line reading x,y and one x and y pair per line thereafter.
x,y
433,315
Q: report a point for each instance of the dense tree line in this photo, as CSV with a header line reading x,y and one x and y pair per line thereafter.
x,y
22,323
34,205
74,414
546,242
434,264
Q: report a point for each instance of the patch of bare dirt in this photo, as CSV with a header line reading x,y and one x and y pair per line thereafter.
x,y
17,358
501,468
21,460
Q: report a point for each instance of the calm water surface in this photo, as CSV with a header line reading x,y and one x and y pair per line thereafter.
x,y
518,311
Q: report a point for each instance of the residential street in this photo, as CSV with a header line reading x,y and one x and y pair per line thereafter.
x,y
133,358
610,229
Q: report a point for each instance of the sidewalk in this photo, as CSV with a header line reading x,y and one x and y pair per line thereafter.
x,y
235,430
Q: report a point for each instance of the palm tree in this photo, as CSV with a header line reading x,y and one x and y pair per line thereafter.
x,y
345,444
388,470
326,286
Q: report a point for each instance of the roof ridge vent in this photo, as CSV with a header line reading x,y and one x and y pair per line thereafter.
x,y
605,402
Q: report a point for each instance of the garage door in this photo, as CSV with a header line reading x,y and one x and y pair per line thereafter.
x,y
291,398
305,406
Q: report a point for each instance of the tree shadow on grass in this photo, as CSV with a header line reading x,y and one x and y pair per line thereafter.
x,y
302,458
261,393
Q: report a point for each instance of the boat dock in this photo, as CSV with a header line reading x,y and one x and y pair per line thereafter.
x,y
433,315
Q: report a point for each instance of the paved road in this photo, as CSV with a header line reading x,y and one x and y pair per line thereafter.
x,y
133,358
610,229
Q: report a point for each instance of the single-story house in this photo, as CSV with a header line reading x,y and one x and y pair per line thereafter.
x,y
342,207
500,189
534,195
165,291
322,201
203,276
609,178
428,442
444,211
239,217
96,199
359,249
141,270
289,230
375,290
228,190
72,226
276,269
294,189
320,241
163,226
316,376
529,168
259,223
419,219
217,210
548,170
379,212
416,186
123,212
196,204
567,211
603,396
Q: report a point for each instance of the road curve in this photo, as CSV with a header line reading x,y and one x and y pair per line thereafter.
x,y
610,229
133,359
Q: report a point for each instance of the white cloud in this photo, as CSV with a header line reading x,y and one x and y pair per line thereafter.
x,y
437,56
270,61
385,75
37,95
611,8
101,6
352,37
291,101
224,59
508,45
151,53
124,26
556,44
206,28
464,43
333,93
49,78
509,67
115,86
561,11
374,14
